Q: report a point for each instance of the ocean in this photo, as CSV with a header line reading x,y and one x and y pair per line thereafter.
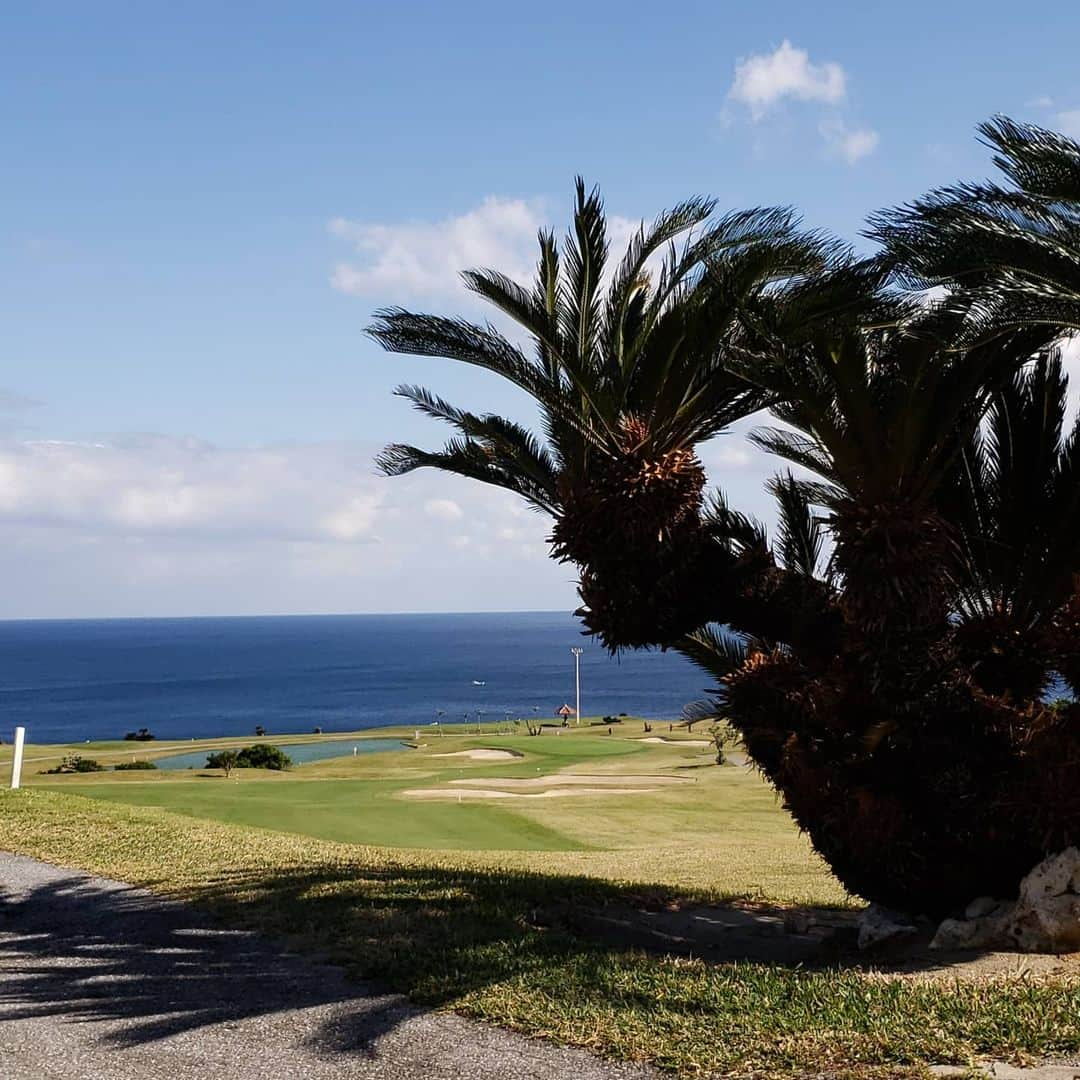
x,y
74,680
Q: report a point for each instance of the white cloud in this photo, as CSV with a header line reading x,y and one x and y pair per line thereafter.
x,y
1043,101
149,485
426,258
852,146
423,260
727,453
443,510
1068,122
156,525
765,79
354,519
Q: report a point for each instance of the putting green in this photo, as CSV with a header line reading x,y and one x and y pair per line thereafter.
x,y
365,800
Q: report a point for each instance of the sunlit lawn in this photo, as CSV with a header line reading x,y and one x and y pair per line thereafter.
x,y
454,927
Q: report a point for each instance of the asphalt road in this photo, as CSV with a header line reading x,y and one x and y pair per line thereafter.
x,y
100,981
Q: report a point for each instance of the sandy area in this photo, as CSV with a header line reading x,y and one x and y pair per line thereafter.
x,y
483,755
575,780
675,742
490,793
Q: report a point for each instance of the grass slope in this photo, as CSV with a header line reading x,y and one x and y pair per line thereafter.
x,y
454,930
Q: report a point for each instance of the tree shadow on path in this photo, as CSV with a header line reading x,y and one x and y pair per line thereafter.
x,y
85,950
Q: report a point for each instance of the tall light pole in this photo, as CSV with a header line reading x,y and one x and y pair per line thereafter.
x,y
577,683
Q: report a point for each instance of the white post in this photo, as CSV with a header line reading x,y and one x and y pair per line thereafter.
x,y
577,683
16,759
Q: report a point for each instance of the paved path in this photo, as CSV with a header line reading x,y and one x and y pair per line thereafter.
x,y
100,981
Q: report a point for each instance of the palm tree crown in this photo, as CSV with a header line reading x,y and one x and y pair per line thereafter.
x,y
1015,246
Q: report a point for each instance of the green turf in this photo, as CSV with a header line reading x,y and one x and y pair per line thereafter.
x,y
358,800
460,930
347,811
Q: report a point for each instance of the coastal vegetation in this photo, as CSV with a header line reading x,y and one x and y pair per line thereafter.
x,y
499,935
502,908
259,756
885,654
75,763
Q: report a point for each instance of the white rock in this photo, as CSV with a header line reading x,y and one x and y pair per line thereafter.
x,y
1024,932
878,925
978,933
1045,919
984,905
1058,920
1052,877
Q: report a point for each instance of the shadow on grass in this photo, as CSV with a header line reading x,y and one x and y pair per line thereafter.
x,y
93,951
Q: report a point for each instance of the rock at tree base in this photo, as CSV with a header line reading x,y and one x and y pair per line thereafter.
x,y
1052,877
1045,918
985,905
878,926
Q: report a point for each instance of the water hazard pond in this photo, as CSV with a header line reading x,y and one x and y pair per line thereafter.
x,y
299,752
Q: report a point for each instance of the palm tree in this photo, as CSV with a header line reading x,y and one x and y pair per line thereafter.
x,y
1014,246
1015,498
854,651
628,369
872,723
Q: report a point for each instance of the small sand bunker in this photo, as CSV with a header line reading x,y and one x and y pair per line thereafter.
x,y
483,755
674,742
571,780
490,793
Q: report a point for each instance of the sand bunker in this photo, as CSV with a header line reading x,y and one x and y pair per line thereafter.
x,y
635,783
675,742
483,755
488,793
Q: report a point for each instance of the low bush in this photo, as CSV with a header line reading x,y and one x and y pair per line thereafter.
x,y
75,764
127,766
226,760
142,735
263,756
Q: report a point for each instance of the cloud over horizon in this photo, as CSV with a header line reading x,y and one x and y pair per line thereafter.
x,y
156,525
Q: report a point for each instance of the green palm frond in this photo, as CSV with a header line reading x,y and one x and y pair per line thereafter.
x,y
1015,250
715,650
547,299
585,256
735,530
1015,499
631,282
800,539
799,449
467,458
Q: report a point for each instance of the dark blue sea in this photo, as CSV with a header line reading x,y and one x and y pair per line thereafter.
x,y
183,678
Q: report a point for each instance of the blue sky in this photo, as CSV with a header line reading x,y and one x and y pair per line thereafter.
x,y
203,203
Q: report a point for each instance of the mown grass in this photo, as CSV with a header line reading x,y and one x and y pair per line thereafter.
x,y
455,929
364,799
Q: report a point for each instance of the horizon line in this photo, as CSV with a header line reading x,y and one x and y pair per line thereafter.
x,y
275,615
